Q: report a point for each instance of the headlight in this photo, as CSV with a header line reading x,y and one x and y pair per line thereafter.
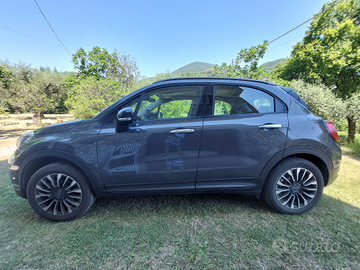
x,y
24,138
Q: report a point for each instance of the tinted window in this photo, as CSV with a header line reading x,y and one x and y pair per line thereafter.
x,y
231,99
170,102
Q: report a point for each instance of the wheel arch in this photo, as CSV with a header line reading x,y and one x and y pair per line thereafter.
x,y
39,159
316,156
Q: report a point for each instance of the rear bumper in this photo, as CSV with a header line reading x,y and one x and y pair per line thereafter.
x,y
333,175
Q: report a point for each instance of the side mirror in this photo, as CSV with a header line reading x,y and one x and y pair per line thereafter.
x,y
123,119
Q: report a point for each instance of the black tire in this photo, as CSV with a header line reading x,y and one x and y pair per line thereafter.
x,y
294,186
59,192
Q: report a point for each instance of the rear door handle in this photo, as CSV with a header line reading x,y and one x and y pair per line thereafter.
x,y
268,126
184,130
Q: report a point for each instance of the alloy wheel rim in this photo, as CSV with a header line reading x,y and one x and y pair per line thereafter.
x,y
296,188
58,194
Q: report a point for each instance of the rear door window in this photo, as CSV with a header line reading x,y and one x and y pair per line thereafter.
x,y
232,99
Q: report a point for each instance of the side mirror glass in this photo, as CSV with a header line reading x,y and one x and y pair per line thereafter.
x,y
123,119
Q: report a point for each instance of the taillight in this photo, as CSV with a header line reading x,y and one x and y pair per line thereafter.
x,y
332,130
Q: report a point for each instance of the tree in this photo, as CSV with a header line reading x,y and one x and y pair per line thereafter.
x,y
330,53
5,83
245,64
32,97
100,63
92,95
321,100
28,89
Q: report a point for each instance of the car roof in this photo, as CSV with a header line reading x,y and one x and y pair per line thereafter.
x,y
209,80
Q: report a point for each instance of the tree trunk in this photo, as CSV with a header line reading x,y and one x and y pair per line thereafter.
x,y
351,129
37,119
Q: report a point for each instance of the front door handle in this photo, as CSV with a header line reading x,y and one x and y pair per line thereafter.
x,y
268,126
184,130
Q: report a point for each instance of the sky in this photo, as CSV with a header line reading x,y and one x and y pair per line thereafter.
x,y
161,35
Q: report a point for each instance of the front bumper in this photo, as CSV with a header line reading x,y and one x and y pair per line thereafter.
x,y
14,175
13,172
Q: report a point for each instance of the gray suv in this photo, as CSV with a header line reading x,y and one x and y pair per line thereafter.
x,y
184,135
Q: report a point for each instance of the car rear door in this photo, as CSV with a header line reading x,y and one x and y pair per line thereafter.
x,y
246,128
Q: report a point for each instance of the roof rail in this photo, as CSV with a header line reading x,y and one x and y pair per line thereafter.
x,y
213,78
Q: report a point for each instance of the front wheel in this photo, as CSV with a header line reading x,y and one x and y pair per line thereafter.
x,y
59,192
294,186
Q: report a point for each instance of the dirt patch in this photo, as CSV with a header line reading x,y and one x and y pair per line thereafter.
x,y
14,125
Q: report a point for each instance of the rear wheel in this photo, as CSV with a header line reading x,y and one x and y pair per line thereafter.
x,y
59,192
294,186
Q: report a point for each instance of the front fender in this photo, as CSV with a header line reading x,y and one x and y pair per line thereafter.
x,y
36,160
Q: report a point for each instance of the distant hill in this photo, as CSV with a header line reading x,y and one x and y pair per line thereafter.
x,y
193,67
197,67
270,66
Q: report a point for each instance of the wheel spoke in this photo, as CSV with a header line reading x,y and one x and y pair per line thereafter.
x,y
58,179
283,184
73,183
308,189
310,177
303,198
43,189
67,177
291,175
309,195
45,184
286,202
308,182
286,194
44,201
51,180
292,206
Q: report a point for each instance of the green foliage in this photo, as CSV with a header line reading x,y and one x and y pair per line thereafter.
x,y
5,82
245,64
355,147
28,89
102,79
353,107
329,54
32,97
5,77
321,100
221,107
100,63
176,108
92,95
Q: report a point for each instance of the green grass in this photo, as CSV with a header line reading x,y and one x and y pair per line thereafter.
x,y
186,232
355,146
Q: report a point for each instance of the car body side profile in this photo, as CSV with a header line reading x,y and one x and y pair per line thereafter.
x,y
183,135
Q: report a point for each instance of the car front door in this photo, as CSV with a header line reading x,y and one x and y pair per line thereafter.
x,y
247,127
159,152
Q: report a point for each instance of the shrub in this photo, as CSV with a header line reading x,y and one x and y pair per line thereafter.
x,y
92,95
321,101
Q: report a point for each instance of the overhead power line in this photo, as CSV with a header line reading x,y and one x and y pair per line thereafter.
x,y
305,22
51,27
29,36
